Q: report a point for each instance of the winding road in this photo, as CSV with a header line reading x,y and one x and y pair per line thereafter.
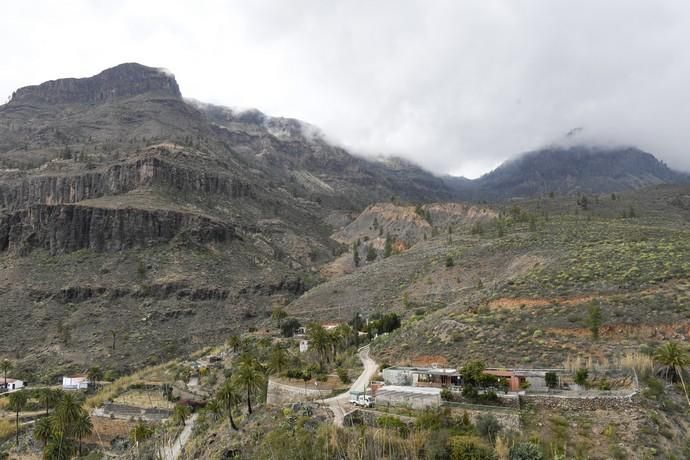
x,y
340,405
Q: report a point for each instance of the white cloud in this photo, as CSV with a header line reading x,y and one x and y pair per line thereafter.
x,y
457,86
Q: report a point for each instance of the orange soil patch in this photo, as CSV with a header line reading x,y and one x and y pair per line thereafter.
x,y
661,331
512,304
106,429
428,360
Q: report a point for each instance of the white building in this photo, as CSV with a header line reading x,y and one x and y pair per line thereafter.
x,y
77,382
11,384
303,346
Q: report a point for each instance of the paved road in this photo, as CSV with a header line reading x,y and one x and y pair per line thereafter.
x,y
173,452
340,405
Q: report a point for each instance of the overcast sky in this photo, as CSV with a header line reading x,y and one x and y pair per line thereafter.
x,y
456,86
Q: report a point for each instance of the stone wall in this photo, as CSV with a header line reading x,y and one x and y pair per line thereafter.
x,y
280,393
581,402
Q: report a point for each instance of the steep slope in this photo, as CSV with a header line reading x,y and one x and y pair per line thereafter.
x,y
569,171
130,216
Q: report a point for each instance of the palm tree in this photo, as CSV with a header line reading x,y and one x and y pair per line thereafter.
x,y
82,427
5,365
319,338
94,375
234,343
279,359
214,409
139,433
180,413
674,358
43,429
17,403
49,398
59,448
66,414
250,376
229,397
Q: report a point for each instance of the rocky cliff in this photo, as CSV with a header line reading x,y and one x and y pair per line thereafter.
x,y
66,228
125,80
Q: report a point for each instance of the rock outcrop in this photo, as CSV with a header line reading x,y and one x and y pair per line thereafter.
x,y
115,180
125,80
66,228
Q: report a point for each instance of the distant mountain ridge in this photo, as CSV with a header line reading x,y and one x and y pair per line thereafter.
x,y
569,170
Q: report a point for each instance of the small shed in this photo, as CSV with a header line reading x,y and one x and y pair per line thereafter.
x,y
77,382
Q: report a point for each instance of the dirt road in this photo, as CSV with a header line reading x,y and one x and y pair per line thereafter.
x,y
340,404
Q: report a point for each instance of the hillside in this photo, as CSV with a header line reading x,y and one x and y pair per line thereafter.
x,y
520,286
131,216
569,171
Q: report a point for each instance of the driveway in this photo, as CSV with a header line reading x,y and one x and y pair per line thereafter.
x,y
340,405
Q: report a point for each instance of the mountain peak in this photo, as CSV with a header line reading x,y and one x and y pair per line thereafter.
x,y
124,80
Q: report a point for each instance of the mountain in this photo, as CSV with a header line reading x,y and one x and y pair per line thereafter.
x,y
569,171
135,224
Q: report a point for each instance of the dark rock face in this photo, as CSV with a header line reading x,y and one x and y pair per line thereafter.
x,y
66,228
115,180
125,80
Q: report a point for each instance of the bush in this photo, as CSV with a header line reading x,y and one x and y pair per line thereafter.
x,y
446,394
526,451
581,376
343,375
449,262
470,448
393,423
488,426
551,379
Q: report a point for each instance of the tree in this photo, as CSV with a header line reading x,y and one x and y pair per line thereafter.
x,y
289,327
49,398
5,366
279,359
371,253
594,319
43,430
141,432
355,253
17,403
67,412
388,247
229,397
94,375
278,315
82,427
60,447
234,343
180,413
320,340
449,261
674,358
551,379
250,376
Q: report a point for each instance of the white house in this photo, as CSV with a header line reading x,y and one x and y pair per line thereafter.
x,y
303,346
11,384
77,382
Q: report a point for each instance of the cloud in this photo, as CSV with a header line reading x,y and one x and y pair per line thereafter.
x,y
456,86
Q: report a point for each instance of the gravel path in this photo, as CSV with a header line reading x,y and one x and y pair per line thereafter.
x,y
340,405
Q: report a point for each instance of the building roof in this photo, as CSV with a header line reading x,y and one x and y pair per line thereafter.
x,y
9,380
409,390
425,370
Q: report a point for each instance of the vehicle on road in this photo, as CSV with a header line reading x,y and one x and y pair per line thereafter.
x,y
359,398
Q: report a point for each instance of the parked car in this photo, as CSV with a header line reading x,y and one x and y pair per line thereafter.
x,y
361,400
